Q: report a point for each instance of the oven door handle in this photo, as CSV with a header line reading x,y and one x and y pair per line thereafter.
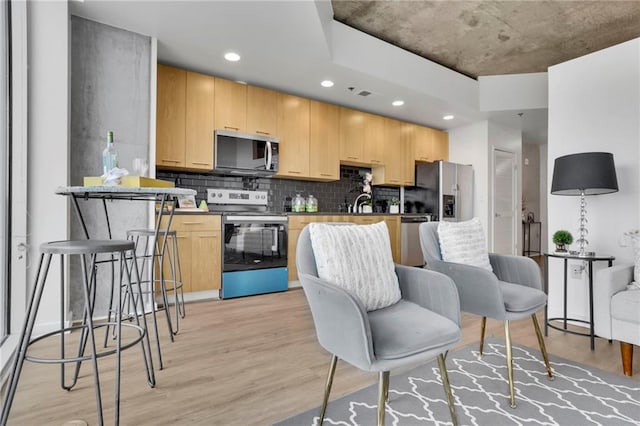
x,y
255,219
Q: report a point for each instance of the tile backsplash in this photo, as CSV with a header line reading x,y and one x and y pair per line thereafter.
x,y
332,196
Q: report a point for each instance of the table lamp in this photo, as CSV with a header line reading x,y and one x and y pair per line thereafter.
x,y
587,173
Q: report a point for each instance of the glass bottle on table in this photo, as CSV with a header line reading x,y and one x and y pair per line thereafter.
x,y
109,155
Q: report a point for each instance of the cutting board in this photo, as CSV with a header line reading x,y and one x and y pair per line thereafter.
x,y
131,182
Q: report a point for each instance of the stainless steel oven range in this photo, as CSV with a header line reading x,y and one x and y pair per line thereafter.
x,y
254,259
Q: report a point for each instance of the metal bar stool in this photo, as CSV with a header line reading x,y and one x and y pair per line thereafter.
x,y
152,250
88,251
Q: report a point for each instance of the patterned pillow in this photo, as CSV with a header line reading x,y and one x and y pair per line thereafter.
x,y
464,242
358,259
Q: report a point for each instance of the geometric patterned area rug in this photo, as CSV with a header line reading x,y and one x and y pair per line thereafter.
x,y
578,395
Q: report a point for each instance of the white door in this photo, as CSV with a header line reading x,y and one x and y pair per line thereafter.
x,y
504,202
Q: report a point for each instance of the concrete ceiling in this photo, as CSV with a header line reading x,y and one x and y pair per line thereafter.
x,y
292,46
489,37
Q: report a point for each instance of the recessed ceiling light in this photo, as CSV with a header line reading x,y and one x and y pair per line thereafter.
x,y
327,83
232,56
397,103
448,117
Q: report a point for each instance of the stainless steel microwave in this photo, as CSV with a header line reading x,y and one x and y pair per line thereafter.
x,y
244,154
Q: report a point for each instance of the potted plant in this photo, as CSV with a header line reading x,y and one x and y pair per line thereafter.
x,y
394,205
366,206
562,239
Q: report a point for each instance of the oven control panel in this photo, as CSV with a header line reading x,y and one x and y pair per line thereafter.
x,y
237,196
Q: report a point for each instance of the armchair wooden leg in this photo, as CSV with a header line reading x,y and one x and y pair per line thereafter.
x,y
543,348
626,351
381,396
482,330
507,334
327,388
447,389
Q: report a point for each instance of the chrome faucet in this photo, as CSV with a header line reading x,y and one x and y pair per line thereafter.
x,y
355,203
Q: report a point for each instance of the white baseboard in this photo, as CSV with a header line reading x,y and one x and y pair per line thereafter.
x,y
294,284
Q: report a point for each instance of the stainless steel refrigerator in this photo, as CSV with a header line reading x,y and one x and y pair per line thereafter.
x,y
449,189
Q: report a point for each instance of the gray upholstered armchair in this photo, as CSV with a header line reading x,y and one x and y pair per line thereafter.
x,y
511,292
616,315
423,325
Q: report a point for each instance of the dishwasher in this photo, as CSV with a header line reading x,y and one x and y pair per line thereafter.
x,y
411,253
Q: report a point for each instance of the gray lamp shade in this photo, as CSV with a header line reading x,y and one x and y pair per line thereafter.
x,y
590,172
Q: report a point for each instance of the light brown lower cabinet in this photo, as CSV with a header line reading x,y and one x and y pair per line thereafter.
x,y
199,246
298,222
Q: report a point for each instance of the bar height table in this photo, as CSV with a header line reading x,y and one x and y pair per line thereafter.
x,y
566,257
166,197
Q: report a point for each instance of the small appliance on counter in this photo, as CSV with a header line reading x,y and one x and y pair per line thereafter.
x,y
254,259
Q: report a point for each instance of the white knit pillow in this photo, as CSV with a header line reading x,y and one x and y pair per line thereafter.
x,y
464,242
358,259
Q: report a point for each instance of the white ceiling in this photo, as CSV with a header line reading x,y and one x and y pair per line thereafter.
x,y
293,45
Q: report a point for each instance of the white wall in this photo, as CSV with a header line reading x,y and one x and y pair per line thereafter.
x,y
48,79
473,145
469,145
594,105
544,217
513,92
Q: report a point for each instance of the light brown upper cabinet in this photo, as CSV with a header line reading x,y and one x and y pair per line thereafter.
x,y
407,134
184,125
230,105
374,139
352,136
170,123
324,141
199,119
423,144
440,145
315,137
262,111
293,132
391,172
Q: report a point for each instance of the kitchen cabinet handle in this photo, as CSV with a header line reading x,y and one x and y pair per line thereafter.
x,y
231,128
207,236
192,223
200,163
169,161
376,161
325,174
352,158
293,171
260,132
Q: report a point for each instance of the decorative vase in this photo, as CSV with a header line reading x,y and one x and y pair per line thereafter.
x,y
394,209
561,248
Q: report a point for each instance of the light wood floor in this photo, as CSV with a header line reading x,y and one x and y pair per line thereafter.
x,y
245,361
